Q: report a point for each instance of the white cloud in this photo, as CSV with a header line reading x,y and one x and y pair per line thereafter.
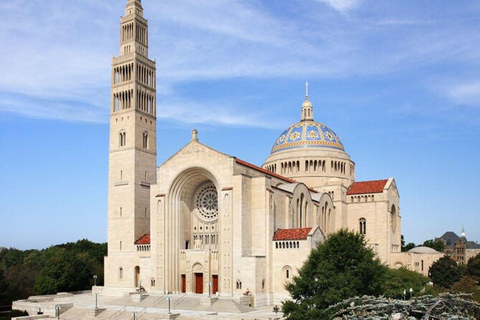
x,y
465,93
224,113
61,51
343,6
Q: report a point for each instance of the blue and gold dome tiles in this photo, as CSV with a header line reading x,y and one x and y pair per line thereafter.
x,y
307,134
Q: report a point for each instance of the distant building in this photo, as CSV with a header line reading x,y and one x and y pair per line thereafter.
x,y
459,248
3,248
418,259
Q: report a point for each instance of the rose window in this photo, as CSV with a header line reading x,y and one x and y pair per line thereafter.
x,y
207,203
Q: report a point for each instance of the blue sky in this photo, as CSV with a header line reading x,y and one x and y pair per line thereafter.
x,y
398,81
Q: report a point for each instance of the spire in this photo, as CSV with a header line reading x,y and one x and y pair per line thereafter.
x,y
132,5
463,232
306,90
307,109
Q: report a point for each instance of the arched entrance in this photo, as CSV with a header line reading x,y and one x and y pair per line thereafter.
x,y
197,271
192,232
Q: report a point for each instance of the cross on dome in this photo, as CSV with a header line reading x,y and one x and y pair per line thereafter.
x,y
307,109
306,90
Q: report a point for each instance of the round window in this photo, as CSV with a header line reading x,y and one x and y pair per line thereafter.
x,y
207,203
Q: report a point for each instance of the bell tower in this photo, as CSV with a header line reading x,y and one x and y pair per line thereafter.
x,y
132,149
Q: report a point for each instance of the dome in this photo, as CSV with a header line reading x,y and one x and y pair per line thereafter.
x,y
423,250
307,134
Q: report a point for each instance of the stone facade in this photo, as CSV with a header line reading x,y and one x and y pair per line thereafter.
x,y
206,222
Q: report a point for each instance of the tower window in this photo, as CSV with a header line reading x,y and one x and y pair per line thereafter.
x,y
145,140
363,226
120,273
123,139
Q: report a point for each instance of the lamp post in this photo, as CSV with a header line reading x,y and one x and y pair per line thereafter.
x,y
95,280
96,301
209,289
134,315
57,309
411,292
404,294
169,298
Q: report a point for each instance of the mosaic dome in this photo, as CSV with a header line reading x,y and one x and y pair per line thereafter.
x,y
307,134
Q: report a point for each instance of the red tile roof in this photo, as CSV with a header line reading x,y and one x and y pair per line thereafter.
x,y
145,239
291,234
375,186
252,166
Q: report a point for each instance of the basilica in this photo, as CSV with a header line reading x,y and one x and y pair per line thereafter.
x,y
205,222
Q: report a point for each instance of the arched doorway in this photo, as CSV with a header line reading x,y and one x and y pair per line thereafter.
x,y
197,271
192,235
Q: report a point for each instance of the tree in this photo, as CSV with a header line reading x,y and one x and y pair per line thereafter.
x,y
445,272
467,285
437,245
401,279
408,246
473,268
340,268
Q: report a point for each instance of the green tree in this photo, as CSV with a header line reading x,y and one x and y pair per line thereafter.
x,y
401,279
444,272
467,285
337,269
473,268
437,245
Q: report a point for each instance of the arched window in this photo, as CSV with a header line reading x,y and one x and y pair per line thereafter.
x,y
393,217
362,225
287,273
123,138
239,284
120,273
301,212
145,140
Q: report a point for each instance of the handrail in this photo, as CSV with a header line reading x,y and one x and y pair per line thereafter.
x,y
158,300
118,313
142,312
179,300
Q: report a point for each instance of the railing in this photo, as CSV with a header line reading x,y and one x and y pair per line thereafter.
x,y
179,300
159,300
118,313
141,313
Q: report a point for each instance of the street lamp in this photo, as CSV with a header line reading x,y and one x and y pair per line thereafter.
x,y
411,291
96,301
95,280
134,315
404,294
57,309
169,298
209,289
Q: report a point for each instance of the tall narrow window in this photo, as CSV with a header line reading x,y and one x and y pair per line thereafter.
x,y
120,273
123,139
145,140
363,226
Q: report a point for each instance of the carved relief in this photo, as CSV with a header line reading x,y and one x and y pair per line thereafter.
x,y
193,148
